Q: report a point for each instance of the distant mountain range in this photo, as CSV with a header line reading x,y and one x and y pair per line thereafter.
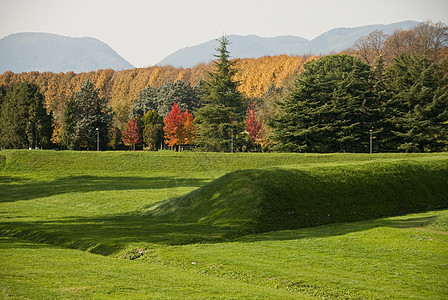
x,y
253,46
24,52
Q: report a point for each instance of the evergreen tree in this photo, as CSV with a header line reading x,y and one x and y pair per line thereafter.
x,y
24,120
177,92
417,108
220,119
148,99
331,108
84,112
161,99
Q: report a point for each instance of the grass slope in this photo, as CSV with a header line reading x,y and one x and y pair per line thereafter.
x,y
402,257
252,201
107,203
39,271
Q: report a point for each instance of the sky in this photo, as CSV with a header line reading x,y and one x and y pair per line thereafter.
x,y
146,31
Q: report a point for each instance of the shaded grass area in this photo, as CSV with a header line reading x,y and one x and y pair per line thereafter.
x,y
397,258
38,271
16,188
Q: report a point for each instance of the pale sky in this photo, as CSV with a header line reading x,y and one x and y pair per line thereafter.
x,y
145,32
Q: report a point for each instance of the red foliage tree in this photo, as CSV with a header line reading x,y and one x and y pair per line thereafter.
x,y
253,126
179,127
131,136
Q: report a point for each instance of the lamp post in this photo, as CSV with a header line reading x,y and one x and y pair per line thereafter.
x,y
371,140
97,139
231,141
32,135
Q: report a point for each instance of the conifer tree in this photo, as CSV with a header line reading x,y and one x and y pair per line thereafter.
x,y
220,118
331,108
84,112
417,106
24,121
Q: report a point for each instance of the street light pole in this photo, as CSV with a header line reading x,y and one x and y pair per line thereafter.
x,y
97,139
371,140
231,141
32,135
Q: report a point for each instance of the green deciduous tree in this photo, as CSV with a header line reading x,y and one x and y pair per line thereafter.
x,y
152,129
24,122
331,108
84,112
222,114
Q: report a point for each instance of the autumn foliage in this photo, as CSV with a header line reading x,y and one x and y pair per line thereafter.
x,y
179,127
120,88
253,126
132,136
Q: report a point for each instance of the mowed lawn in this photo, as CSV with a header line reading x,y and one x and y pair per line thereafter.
x,y
57,208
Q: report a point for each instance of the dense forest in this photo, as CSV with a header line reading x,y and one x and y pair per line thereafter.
x,y
394,85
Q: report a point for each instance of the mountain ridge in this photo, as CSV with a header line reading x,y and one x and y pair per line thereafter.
x,y
253,46
48,52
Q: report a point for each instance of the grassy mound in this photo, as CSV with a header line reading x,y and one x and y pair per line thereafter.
x,y
251,201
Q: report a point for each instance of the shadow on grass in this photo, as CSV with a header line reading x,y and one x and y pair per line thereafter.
x,y
18,189
108,235
337,229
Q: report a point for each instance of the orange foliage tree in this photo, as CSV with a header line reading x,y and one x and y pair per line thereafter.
x,y
179,127
131,136
253,126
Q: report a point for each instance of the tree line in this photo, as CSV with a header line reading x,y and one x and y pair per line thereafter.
x,y
336,103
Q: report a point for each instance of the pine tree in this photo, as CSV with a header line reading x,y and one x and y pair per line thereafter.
x,y
222,114
84,112
24,120
331,108
162,98
417,108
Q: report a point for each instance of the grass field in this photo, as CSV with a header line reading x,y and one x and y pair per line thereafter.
x,y
54,204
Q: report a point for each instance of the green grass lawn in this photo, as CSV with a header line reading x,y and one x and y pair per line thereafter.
x,y
54,204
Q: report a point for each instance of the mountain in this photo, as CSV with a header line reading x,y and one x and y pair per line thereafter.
x,y
24,52
253,46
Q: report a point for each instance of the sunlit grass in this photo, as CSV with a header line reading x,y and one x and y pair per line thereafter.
x,y
102,203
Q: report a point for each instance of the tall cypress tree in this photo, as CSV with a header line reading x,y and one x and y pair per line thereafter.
x,y
220,119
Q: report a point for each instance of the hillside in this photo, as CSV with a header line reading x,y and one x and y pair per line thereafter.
x,y
25,52
253,201
252,46
57,206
